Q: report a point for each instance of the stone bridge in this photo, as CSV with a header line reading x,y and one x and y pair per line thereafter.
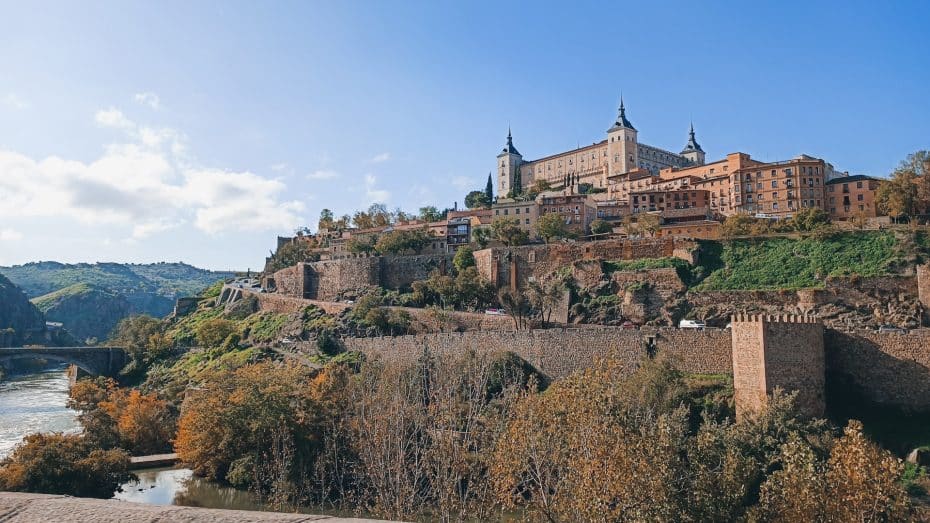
x,y
98,361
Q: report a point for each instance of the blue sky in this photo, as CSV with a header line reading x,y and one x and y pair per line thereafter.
x,y
199,131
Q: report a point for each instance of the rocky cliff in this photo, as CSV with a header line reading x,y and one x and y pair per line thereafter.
x,y
20,321
87,311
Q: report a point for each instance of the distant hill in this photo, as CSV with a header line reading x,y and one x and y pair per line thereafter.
x,y
146,288
87,311
20,320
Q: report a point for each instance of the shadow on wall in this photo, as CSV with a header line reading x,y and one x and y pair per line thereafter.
x,y
890,394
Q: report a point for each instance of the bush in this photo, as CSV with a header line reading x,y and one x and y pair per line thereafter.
x,y
212,333
64,464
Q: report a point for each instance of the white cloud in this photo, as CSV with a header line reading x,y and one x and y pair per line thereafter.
x,y
14,101
10,235
113,117
372,193
465,183
146,184
323,174
149,99
381,158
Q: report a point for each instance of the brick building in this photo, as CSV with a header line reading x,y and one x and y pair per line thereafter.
x,y
850,196
576,210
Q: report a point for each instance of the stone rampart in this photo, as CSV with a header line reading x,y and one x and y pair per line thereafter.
x,y
514,266
923,291
889,368
560,352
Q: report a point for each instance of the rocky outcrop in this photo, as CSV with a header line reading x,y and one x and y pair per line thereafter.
x,y
86,311
20,321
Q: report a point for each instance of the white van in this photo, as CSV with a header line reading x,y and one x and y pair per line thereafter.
x,y
690,324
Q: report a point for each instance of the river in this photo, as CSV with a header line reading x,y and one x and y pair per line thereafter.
x,y
37,402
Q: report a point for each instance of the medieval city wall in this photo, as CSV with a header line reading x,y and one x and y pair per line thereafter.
x,y
890,368
560,352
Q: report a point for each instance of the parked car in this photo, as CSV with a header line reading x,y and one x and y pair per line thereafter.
x,y
892,328
628,325
496,312
691,324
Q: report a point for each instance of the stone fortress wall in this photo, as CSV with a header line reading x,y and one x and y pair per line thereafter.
x,y
890,368
332,280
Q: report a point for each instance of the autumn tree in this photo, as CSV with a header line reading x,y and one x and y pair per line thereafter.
x,y
649,223
292,253
551,225
64,464
146,424
897,197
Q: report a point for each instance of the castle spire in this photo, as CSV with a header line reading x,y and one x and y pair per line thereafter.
x,y
692,144
622,121
509,148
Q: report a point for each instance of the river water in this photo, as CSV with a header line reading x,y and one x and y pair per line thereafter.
x,y
37,402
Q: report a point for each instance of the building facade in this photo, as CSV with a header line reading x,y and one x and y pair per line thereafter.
x,y
851,196
621,152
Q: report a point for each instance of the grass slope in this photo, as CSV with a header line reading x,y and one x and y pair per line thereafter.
x,y
794,263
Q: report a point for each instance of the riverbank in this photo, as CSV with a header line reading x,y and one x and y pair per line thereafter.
x,y
35,402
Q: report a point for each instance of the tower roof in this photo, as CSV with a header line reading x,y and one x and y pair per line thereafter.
x,y
692,144
509,148
622,122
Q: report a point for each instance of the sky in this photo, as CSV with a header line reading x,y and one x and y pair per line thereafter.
x,y
199,131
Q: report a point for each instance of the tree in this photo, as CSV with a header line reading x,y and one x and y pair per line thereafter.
x,y
464,258
326,220
737,225
482,236
362,220
146,424
649,223
517,306
488,191
810,219
509,232
212,333
361,244
545,298
64,464
600,226
396,242
477,200
430,214
141,336
292,253
551,225
897,196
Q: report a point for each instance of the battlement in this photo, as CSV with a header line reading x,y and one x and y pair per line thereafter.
x,y
774,318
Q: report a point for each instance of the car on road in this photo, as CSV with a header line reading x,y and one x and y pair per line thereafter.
x,y
496,312
892,328
691,324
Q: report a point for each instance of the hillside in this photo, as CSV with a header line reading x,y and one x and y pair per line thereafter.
x,y
147,288
87,311
20,320
796,263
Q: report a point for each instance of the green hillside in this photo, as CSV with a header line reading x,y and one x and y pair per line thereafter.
x,y
20,321
87,311
794,263
148,288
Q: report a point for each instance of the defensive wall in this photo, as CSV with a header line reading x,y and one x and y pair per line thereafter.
x,y
332,280
790,352
515,266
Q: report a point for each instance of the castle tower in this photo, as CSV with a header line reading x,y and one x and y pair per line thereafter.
x,y
508,168
777,351
621,144
692,150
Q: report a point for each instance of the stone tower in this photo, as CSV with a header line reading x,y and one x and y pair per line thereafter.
x,y
777,351
508,168
621,144
692,150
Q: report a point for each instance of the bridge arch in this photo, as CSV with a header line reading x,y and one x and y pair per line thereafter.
x,y
97,361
